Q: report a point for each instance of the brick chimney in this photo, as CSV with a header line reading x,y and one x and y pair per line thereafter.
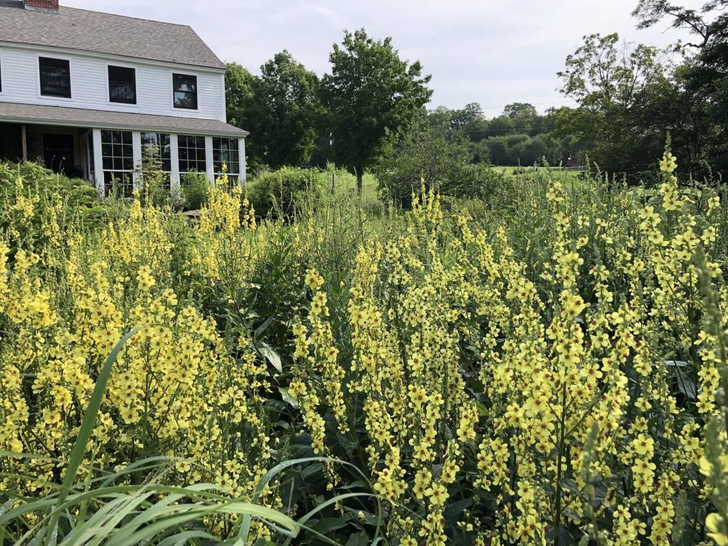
x,y
41,5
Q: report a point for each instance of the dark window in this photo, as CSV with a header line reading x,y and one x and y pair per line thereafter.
x,y
191,153
185,91
122,85
55,77
1,76
157,146
225,152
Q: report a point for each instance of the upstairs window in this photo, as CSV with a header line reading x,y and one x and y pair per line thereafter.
x,y
122,85
185,91
55,77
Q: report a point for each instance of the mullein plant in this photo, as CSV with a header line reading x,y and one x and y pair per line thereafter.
x,y
176,389
714,462
551,398
494,383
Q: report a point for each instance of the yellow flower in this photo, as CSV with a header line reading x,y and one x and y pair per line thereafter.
x,y
437,494
314,280
717,528
668,163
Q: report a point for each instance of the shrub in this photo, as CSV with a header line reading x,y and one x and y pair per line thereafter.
x,y
282,193
156,188
195,190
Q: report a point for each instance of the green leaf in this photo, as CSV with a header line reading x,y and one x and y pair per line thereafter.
x,y
358,539
87,427
270,354
287,398
326,525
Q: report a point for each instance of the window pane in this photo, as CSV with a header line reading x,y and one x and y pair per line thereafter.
x,y
185,91
55,77
122,85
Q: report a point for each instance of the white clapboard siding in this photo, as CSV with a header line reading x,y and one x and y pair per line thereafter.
x,y
89,86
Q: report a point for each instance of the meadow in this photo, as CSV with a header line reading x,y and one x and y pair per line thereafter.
x,y
545,365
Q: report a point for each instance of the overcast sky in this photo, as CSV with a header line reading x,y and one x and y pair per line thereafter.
x,y
487,51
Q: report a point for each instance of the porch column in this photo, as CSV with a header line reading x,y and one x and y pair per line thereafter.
x,y
174,161
241,156
98,161
209,163
24,141
136,143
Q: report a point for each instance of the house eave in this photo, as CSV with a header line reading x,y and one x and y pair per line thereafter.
x,y
110,57
96,119
122,127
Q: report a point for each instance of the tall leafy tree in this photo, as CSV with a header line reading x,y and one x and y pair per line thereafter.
x,y
708,24
611,82
704,75
288,97
239,92
243,108
370,95
523,115
280,108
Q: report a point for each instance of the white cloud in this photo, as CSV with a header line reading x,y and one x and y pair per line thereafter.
x,y
477,51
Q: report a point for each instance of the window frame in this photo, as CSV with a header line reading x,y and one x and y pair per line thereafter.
x,y
234,148
69,60
175,108
161,158
187,148
108,86
1,72
128,174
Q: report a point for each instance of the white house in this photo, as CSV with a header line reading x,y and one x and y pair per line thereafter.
x,y
86,92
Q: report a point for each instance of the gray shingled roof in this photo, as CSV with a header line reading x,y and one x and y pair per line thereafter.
x,y
96,119
97,32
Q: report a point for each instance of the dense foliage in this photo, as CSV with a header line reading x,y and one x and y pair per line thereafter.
x,y
543,369
286,192
280,107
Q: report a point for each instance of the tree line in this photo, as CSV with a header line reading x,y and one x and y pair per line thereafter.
x,y
369,111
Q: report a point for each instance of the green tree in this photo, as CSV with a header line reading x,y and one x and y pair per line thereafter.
x,y
520,109
288,97
244,110
371,95
611,82
434,156
500,126
523,115
699,22
704,75
280,108
239,93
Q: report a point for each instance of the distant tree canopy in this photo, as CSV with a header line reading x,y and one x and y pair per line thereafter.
x,y
630,96
370,108
518,136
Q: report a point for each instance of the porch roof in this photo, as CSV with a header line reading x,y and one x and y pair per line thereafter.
x,y
97,119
